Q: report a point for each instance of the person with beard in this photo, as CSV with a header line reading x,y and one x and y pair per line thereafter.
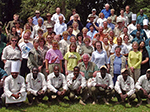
x,y
36,85
143,89
25,47
125,87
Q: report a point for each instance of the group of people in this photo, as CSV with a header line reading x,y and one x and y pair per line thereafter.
x,y
109,57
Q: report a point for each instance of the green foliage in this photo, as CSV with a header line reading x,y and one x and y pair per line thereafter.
x,y
28,7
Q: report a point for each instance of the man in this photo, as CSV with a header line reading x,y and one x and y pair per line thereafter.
x,y
106,11
119,27
102,85
110,24
87,68
49,22
56,84
91,22
105,28
142,32
91,32
141,17
132,26
142,86
116,63
36,85
14,87
37,27
11,23
137,38
60,26
55,16
145,28
36,17
25,47
124,49
100,32
77,85
125,87
128,13
49,30
3,75
94,14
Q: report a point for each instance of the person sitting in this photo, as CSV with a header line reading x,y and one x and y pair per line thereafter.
x,y
102,85
56,84
36,85
125,87
77,85
14,86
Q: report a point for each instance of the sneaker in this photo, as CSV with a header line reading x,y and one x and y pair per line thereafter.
x,y
81,102
94,103
105,101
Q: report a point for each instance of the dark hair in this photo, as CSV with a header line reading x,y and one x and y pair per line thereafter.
x,y
117,47
79,34
144,48
76,67
42,39
69,27
100,43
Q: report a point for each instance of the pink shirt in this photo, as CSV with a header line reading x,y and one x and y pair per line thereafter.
x,y
54,56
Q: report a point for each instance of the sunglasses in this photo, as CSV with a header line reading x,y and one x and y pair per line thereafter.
x,y
14,40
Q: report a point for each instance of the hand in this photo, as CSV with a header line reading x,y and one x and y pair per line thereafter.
x,y
63,92
40,67
104,86
58,93
47,71
82,74
132,69
74,78
123,96
66,72
79,89
145,92
16,96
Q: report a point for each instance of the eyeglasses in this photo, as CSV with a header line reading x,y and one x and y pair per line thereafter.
x,y
14,40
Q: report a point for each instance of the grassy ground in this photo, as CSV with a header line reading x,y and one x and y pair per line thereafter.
x,y
67,106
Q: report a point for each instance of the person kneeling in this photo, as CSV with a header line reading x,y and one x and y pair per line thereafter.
x,y
56,84
36,86
125,87
77,85
102,85
143,88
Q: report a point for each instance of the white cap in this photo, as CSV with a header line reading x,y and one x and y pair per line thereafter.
x,y
133,17
93,9
145,22
15,66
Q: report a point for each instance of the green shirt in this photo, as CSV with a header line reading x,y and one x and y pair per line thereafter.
x,y
88,72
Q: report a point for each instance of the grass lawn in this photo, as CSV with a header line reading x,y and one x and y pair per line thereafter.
x,y
67,106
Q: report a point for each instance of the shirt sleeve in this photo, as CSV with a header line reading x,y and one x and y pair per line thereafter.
x,y
117,86
6,87
140,60
132,90
49,84
139,83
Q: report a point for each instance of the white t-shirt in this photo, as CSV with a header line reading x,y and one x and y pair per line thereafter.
x,y
55,17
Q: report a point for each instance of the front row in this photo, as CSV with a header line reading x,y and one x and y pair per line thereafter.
x,y
75,84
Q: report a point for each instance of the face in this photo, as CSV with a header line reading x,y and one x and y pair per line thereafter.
x,y
58,10
72,40
57,38
76,71
109,21
70,30
27,26
103,72
138,34
30,20
105,40
13,29
125,30
138,27
35,72
122,12
105,24
91,28
73,47
111,33
41,43
127,8
117,51
110,39
126,38
37,14
26,36
55,46
60,19
17,25
40,21
86,42
135,46
49,29
48,17
98,46
145,27
141,11
125,75
56,71
148,75
14,74
142,44
36,44
119,41
15,18
102,15
13,41
107,7
112,12
101,29
98,37
65,36
76,17
49,38
80,38
75,25
91,19
40,33
86,59
93,12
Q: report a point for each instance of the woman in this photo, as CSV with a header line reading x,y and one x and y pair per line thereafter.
x,y
75,28
145,58
73,13
30,21
106,46
79,41
11,53
99,57
126,42
71,58
35,57
49,40
113,16
101,19
134,61
86,48
18,29
27,27
53,57
84,32
13,33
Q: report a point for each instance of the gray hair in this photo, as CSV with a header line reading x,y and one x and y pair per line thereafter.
x,y
85,55
76,15
107,4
